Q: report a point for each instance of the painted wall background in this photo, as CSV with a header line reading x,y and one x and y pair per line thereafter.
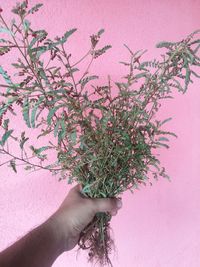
x,y
159,226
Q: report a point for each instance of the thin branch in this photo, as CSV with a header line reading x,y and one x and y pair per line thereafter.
x,y
26,161
12,46
89,52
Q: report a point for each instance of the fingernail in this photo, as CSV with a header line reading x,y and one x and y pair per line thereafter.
x,y
113,213
119,203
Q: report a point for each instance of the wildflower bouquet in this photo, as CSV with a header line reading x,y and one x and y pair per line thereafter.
x,y
102,140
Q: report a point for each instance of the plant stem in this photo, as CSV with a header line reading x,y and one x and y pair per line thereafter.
x,y
27,162
81,58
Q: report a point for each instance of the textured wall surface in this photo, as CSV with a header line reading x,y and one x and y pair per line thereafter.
x,y
159,225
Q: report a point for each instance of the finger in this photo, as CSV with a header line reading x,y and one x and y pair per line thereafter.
x,y
113,213
107,205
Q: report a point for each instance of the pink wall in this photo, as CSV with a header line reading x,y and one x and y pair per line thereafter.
x,y
160,225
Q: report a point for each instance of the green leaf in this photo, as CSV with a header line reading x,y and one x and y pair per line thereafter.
x,y
29,167
56,127
7,105
99,101
124,63
44,76
4,50
140,75
41,35
3,40
191,56
66,36
169,133
5,123
5,76
196,49
52,112
163,139
195,74
41,149
164,44
39,49
5,137
35,8
102,194
195,42
155,165
69,33
122,86
70,179
185,65
17,66
26,112
4,30
73,137
13,165
34,40
62,132
44,133
161,144
38,151
20,8
165,176
178,84
86,188
166,120
34,110
26,25
100,32
164,97
101,51
87,79
23,140
187,79
73,70
56,93
195,32
104,122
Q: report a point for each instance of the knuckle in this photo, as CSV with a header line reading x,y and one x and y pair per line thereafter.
x,y
113,203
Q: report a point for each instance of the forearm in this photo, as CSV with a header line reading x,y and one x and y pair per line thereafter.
x,y
59,233
39,248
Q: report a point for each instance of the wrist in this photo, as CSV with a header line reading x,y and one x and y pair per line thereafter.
x,y
53,229
62,232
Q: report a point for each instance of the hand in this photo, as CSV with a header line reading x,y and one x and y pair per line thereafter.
x,y
76,212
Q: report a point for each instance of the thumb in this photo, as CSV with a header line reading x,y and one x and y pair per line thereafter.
x,y
107,204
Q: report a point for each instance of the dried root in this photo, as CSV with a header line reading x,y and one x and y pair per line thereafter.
x,y
96,238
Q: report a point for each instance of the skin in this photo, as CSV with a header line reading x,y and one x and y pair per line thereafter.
x,y
60,233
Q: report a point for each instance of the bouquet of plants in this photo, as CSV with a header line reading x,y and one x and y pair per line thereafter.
x,y
103,136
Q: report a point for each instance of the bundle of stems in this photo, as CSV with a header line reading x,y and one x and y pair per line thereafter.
x,y
104,136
